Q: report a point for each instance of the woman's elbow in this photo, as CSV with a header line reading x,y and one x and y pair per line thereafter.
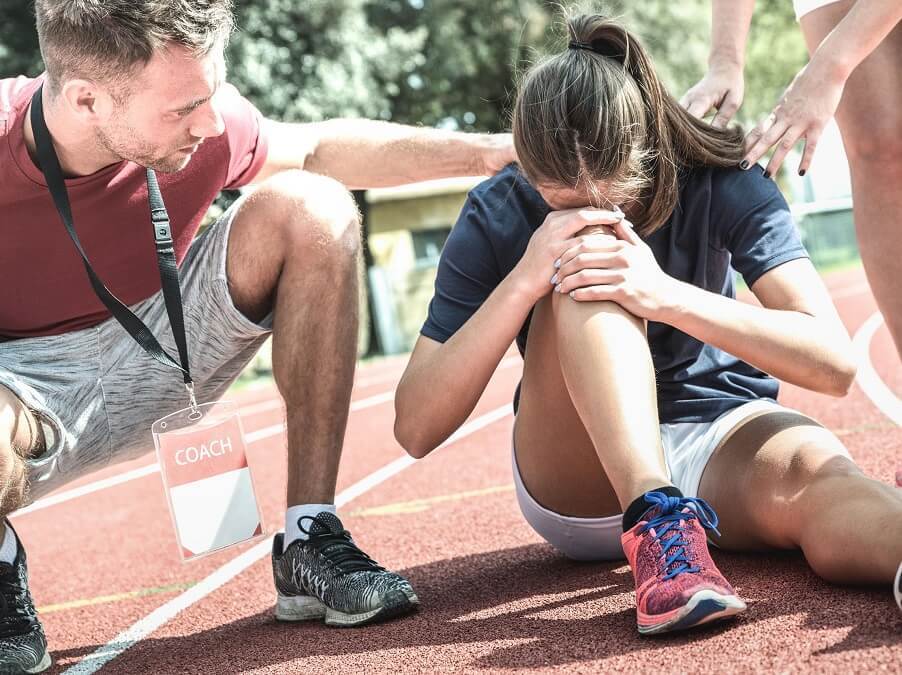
x,y
410,437
841,376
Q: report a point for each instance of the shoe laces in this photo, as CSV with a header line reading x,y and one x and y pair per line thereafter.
x,y
338,547
16,613
673,514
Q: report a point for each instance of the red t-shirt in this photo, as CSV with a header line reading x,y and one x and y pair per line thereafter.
x,y
44,289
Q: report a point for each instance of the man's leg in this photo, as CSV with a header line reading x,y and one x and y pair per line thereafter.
x,y
780,480
20,437
23,647
293,250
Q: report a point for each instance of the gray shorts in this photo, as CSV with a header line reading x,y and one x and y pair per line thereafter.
x,y
96,393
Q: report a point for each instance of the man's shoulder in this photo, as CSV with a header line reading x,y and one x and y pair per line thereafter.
x,y
13,91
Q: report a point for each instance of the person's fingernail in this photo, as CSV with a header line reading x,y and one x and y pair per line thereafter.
x,y
557,263
744,164
801,172
558,288
554,280
573,294
767,174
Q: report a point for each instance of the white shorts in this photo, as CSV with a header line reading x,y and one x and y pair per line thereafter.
x,y
687,448
802,7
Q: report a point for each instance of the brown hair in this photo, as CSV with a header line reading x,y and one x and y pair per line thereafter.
x,y
103,40
597,112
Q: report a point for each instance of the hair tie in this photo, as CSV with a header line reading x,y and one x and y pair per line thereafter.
x,y
602,48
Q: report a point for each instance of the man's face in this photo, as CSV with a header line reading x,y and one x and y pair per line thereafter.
x,y
169,110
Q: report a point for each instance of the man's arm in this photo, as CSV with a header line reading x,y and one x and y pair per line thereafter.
x,y
364,154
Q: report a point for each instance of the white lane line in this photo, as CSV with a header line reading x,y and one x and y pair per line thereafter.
x,y
277,403
251,437
163,614
868,379
88,489
134,474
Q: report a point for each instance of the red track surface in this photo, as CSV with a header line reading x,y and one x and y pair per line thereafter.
x,y
494,596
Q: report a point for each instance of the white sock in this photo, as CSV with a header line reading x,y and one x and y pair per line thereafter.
x,y
294,513
8,549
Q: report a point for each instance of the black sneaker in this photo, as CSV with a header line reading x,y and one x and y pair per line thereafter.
x,y
328,576
23,647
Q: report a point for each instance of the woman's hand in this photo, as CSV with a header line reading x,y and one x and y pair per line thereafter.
x,y
804,110
722,88
619,268
537,269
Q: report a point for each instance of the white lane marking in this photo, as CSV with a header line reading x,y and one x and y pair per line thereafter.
x,y
868,379
251,437
163,614
134,474
88,489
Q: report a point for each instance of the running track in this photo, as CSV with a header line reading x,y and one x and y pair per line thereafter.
x,y
112,593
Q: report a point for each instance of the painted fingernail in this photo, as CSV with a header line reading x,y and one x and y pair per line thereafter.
x,y
744,164
767,174
558,288
557,263
554,280
801,172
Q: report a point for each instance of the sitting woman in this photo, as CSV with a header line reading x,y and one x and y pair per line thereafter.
x,y
648,390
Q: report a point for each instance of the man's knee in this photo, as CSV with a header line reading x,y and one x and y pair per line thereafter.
x,y
316,213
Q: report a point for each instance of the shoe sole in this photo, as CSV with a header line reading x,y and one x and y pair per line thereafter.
x,y
43,665
703,607
306,608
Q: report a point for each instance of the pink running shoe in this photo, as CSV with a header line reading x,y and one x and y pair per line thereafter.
x,y
677,584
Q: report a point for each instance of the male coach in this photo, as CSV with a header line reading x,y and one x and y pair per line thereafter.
x,y
132,85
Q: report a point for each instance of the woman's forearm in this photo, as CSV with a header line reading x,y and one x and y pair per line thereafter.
x,y
790,345
730,21
439,391
857,35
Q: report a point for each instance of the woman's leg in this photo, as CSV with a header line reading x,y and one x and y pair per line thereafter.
x,y
587,436
870,119
780,480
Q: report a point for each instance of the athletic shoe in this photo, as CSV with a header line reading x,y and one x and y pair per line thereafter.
x,y
677,584
328,576
23,647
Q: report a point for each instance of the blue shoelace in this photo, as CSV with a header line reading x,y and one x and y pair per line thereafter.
x,y
671,519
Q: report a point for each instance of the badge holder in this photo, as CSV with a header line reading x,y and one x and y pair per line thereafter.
x,y
203,460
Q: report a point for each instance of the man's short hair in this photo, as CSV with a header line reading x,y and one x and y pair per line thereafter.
x,y
106,40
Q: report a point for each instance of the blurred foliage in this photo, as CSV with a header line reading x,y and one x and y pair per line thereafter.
x,y
452,63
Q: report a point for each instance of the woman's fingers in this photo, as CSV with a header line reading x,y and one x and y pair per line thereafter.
x,y
592,260
568,223
726,109
762,138
784,145
588,277
811,140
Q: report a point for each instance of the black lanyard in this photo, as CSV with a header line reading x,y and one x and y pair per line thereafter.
x,y
162,234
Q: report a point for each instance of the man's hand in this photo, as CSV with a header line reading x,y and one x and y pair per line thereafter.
x,y
497,153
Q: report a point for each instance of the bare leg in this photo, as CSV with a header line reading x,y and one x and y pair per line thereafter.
x,y
293,250
20,437
780,480
588,396
870,119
